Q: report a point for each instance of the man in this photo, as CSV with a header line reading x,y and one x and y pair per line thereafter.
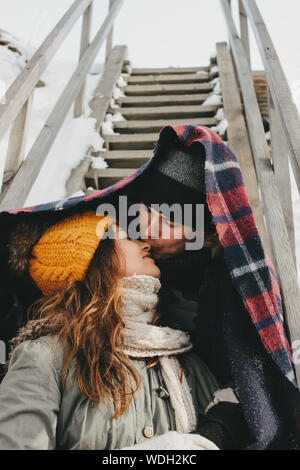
x,y
200,295
176,182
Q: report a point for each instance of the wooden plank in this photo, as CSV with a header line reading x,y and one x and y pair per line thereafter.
x,y
99,105
18,191
282,172
122,154
168,78
129,162
21,88
167,100
79,105
17,141
104,178
244,31
279,87
167,112
131,141
183,89
169,70
277,231
109,39
238,136
136,127
111,172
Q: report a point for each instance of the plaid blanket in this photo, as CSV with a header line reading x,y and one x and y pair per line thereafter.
x,y
251,270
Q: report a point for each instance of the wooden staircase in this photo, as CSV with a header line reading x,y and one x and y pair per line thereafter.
x,y
154,98
253,103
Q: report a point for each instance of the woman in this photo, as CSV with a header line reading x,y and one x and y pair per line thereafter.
x,y
92,369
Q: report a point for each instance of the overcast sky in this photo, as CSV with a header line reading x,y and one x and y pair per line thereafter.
x,y
160,32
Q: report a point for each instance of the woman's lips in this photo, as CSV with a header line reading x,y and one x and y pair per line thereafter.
x,y
148,256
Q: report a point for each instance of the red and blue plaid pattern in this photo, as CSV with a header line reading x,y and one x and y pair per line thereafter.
x,y
250,268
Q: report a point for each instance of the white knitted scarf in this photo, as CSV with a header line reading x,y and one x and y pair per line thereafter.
x,y
141,339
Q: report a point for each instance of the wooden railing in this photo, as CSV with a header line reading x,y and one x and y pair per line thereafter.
x,y
272,174
20,172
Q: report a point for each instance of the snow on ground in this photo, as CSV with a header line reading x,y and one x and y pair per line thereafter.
x,y
75,136
213,100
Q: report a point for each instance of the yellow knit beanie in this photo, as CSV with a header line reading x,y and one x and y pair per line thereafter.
x,y
65,250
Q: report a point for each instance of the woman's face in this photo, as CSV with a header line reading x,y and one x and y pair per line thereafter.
x,y
135,255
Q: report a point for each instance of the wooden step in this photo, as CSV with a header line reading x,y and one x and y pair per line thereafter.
x,y
123,154
132,161
100,179
182,89
130,141
167,100
129,127
168,70
167,112
168,79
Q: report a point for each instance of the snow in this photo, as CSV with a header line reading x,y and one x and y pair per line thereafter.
x,y
213,55
215,80
121,82
98,163
214,69
71,144
11,65
97,68
220,114
201,72
213,100
221,127
128,69
75,137
107,128
112,104
114,117
217,89
117,93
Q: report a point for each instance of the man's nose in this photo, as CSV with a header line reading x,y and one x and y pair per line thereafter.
x,y
148,227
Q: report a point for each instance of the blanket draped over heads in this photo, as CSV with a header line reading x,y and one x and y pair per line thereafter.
x,y
251,271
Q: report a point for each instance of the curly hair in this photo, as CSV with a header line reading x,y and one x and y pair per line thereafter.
x,y
85,316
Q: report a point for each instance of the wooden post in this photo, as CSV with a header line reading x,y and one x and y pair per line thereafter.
x,y
109,40
79,105
18,93
281,169
281,93
17,141
244,31
273,212
26,176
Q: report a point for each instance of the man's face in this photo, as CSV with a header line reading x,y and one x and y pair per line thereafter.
x,y
167,238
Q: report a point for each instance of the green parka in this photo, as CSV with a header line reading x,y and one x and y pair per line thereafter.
x,y
37,413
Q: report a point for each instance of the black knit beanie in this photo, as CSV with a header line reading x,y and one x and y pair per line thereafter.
x,y
177,176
